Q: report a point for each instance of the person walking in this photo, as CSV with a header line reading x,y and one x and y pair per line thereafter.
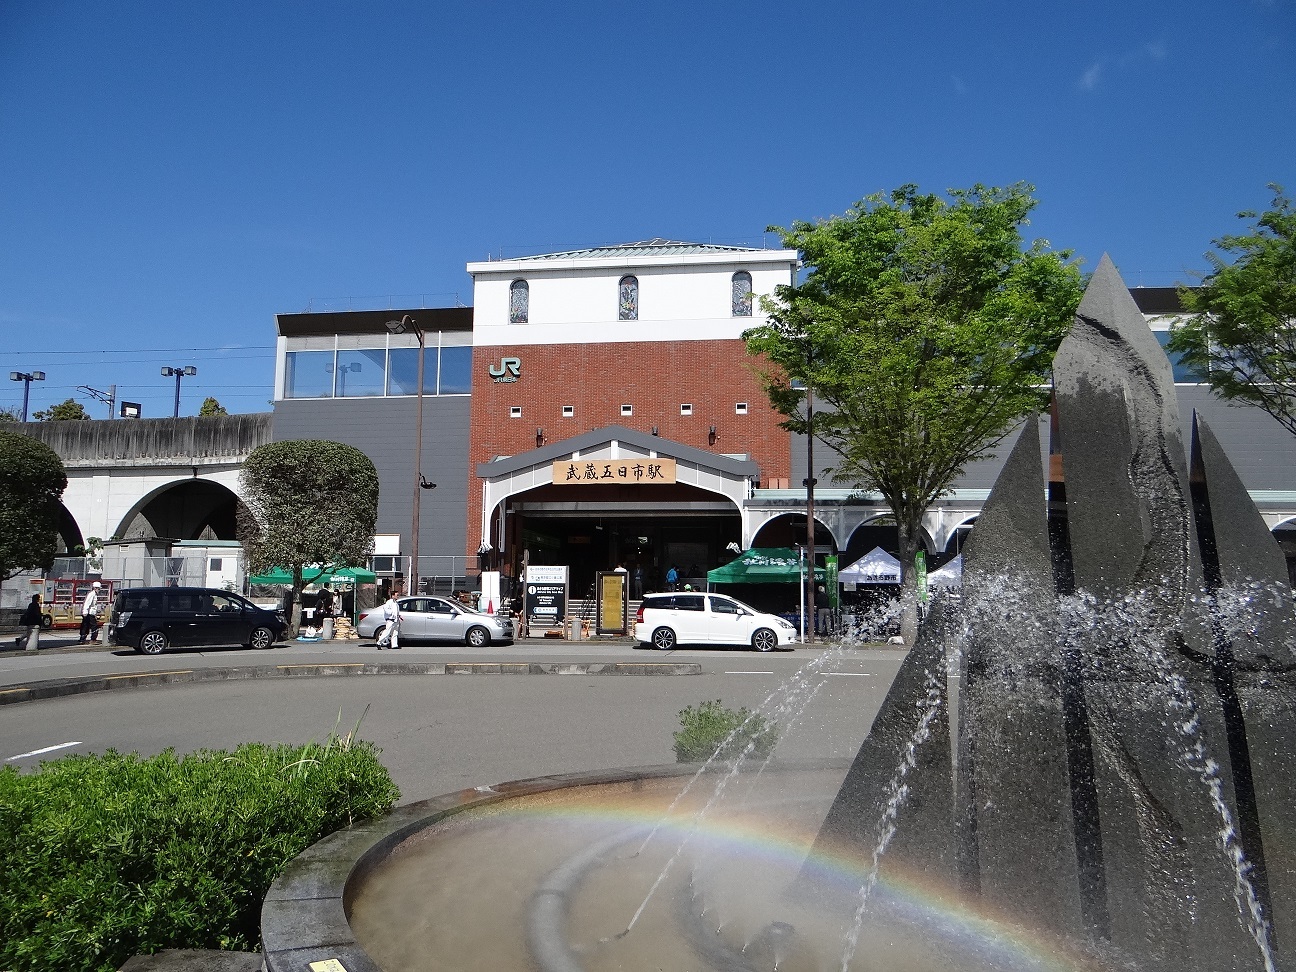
x,y
672,578
31,620
89,614
390,637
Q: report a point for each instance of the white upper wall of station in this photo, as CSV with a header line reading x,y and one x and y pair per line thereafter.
x,y
685,293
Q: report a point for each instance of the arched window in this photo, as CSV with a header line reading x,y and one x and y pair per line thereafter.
x,y
628,303
742,294
519,302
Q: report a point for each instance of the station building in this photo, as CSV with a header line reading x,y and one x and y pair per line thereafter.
x,y
598,408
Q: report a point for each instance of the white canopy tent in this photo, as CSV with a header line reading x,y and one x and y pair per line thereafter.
x,y
875,567
951,575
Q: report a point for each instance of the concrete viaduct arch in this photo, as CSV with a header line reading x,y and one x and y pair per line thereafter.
x,y
151,477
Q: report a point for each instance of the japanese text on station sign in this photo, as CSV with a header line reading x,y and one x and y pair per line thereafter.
x,y
588,472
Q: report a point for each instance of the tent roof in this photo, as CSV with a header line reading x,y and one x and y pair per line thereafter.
x,y
761,565
348,575
951,575
875,567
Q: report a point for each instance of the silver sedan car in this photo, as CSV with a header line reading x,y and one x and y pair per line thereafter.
x,y
426,618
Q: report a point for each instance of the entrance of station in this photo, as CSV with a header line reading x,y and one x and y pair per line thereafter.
x,y
646,544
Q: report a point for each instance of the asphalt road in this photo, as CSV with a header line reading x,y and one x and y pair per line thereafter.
x,y
440,733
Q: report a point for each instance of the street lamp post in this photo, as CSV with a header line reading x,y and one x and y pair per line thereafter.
x,y
178,372
407,325
26,378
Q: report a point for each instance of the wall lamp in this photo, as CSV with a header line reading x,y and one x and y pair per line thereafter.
x,y
539,438
186,371
26,377
711,436
655,432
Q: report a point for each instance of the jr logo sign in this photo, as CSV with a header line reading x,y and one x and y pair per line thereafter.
x,y
507,370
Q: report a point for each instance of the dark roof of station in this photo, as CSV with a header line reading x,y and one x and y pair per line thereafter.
x,y
373,321
1157,300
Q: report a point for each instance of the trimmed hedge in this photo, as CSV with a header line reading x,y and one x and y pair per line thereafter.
x,y
704,729
105,857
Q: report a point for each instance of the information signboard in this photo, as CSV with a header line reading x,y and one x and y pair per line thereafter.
x,y
545,601
613,606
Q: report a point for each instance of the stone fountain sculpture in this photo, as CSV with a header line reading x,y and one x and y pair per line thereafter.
x,y
1119,768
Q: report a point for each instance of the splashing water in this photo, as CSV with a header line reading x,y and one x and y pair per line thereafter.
x,y
897,793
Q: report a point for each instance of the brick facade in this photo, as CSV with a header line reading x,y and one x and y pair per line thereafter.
x,y
597,379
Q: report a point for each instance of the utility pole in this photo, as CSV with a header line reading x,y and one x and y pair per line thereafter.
x,y
810,481
109,397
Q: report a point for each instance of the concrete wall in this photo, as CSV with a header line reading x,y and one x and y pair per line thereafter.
x,y
383,429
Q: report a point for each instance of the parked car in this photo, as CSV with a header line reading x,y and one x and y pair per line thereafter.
x,y
152,619
665,620
425,618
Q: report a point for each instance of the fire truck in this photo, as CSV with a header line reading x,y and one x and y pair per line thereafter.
x,y
62,599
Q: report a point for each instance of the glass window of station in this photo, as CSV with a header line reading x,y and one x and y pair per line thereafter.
x,y
377,372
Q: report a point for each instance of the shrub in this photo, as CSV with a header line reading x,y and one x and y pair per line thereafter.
x,y
709,729
105,857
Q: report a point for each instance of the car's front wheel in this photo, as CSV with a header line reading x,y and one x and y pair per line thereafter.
x,y
764,640
477,637
261,639
152,643
664,639
47,622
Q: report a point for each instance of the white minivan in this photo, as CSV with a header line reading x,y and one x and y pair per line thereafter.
x,y
694,618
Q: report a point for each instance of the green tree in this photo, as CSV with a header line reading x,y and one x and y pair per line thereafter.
x,y
926,330
311,505
9,415
63,411
32,480
212,407
1241,338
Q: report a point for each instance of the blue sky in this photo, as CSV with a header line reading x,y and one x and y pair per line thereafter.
x,y
172,175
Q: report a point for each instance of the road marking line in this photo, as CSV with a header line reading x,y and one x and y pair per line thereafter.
x,y
179,671
317,665
865,674
41,752
749,673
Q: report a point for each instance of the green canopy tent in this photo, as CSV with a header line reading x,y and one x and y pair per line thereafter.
x,y
317,575
762,565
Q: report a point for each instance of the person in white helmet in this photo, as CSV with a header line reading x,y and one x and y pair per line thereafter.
x,y
89,614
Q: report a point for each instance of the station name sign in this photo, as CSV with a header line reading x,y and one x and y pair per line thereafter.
x,y
590,472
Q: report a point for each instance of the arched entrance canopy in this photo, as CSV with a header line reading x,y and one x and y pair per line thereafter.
x,y
631,479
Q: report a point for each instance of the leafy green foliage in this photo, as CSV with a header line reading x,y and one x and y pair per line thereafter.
x,y
308,502
9,415
66,410
709,729
32,480
1241,339
110,856
927,330
211,406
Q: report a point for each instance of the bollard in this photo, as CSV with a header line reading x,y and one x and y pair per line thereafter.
x,y
33,638
326,632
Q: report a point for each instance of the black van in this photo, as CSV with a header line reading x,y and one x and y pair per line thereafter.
x,y
149,619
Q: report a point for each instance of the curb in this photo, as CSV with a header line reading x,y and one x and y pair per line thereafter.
x,y
58,688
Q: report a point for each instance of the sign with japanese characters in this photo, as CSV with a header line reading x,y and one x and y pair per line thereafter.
x,y
591,472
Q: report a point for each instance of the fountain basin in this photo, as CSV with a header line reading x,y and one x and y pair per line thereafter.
x,y
547,873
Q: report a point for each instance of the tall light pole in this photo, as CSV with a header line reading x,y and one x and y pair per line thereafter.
x,y
178,372
407,325
26,378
